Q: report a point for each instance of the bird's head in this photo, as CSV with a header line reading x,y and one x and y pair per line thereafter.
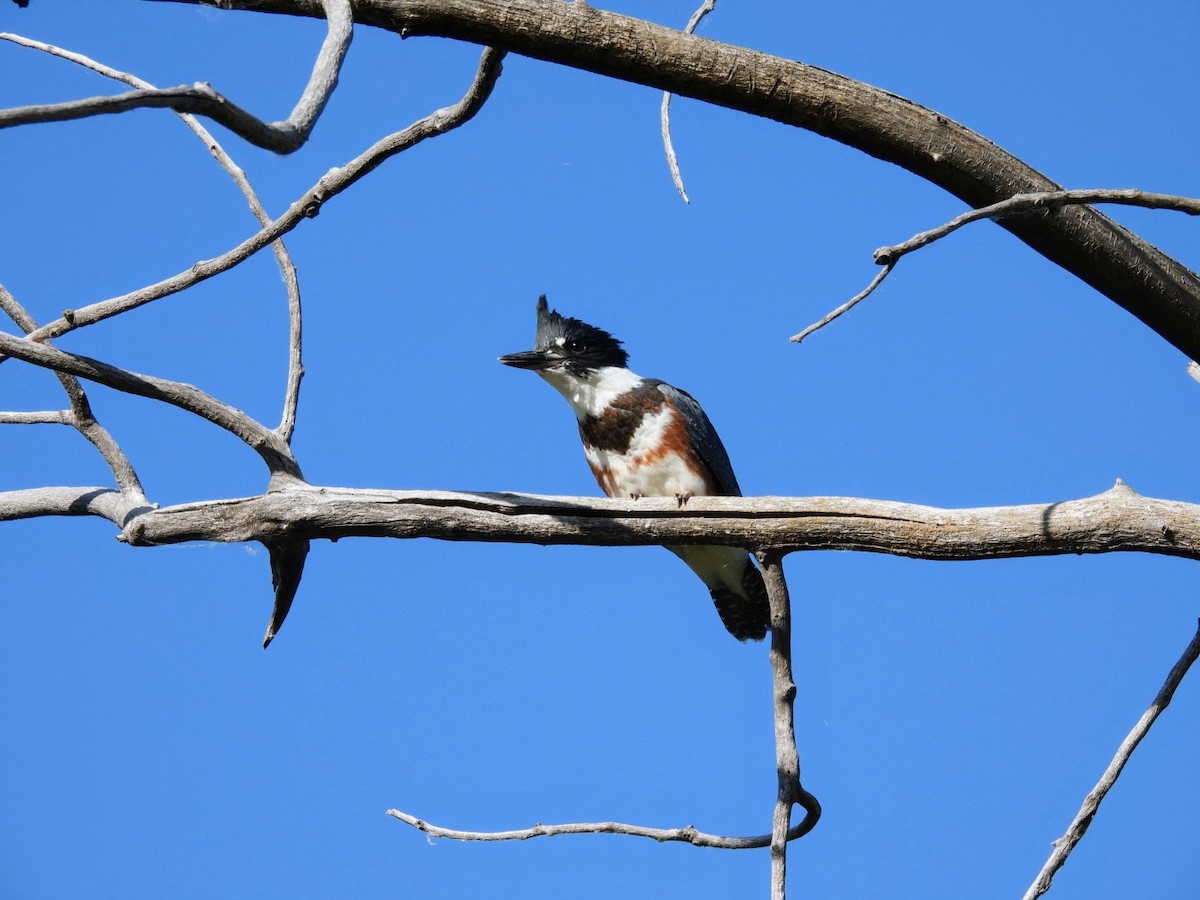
x,y
566,346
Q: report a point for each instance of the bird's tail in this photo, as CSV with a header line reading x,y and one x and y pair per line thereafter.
x,y
746,614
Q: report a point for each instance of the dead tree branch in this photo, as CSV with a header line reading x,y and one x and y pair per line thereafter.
x,y
664,112
274,451
200,99
309,205
80,417
1019,205
65,501
1139,277
1091,804
1118,520
287,269
687,834
787,757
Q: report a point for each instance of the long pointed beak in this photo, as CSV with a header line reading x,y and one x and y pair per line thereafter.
x,y
530,359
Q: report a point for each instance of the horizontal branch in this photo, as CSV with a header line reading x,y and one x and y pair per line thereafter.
x,y
42,417
1134,274
687,834
1117,520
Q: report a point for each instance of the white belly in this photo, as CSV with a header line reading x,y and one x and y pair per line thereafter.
x,y
641,470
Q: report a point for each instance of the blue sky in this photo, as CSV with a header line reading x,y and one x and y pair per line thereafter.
x,y
950,716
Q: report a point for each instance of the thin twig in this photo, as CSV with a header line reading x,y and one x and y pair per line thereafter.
x,y
665,110
1065,844
847,306
1016,205
687,834
309,205
283,259
281,137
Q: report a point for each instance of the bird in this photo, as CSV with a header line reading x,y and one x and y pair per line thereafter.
x,y
644,438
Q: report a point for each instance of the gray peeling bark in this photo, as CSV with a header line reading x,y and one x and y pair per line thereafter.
x,y
1154,287
1117,520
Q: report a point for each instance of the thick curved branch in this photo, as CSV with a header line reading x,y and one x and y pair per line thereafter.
x,y
200,99
1151,285
1117,520
309,205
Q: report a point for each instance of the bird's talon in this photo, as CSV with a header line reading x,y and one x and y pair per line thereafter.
x,y
683,497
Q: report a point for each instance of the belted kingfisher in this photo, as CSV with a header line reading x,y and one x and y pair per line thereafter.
x,y
645,438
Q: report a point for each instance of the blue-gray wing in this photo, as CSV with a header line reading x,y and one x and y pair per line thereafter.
x,y
705,439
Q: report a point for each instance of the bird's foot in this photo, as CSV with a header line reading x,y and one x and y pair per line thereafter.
x,y
683,497
636,495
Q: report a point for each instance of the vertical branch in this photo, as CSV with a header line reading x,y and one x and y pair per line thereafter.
x,y
664,111
1091,803
787,757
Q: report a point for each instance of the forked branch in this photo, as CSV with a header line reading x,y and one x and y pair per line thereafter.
x,y
1017,205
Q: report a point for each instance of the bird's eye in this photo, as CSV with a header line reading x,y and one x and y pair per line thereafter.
x,y
574,345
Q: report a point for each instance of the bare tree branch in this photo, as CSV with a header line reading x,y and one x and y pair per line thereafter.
x,y
287,568
687,834
664,112
81,417
281,137
283,259
309,205
45,417
1021,204
847,306
66,501
787,757
268,444
1118,520
1091,804
1141,278
788,765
